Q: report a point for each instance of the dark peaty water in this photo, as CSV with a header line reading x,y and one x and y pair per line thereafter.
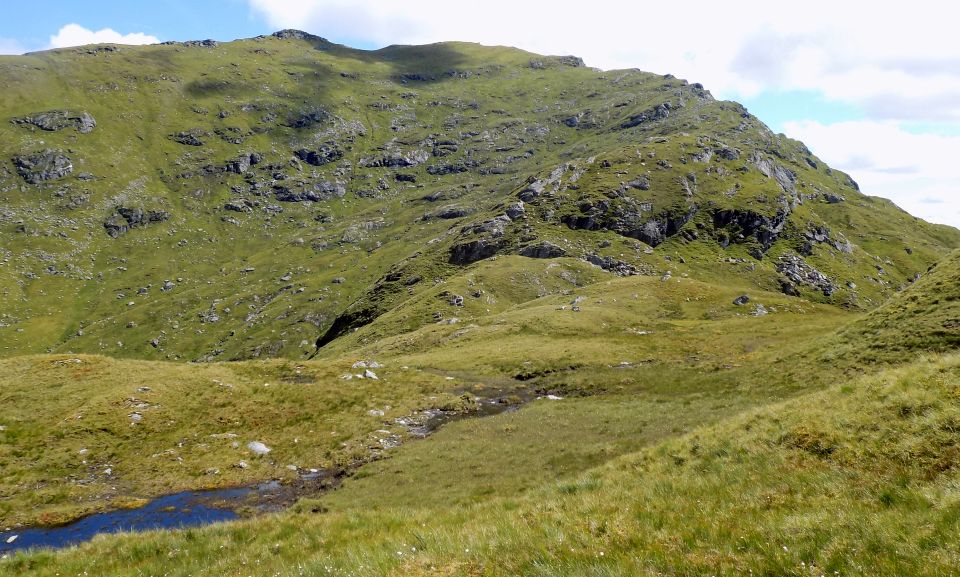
x,y
187,509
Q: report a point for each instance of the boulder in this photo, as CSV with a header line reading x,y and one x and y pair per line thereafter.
x,y
127,218
516,210
473,251
543,250
41,166
258,448
54,120
319,157
450,212
189,138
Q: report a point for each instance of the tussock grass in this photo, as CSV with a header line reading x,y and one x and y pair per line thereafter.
x,y
859,479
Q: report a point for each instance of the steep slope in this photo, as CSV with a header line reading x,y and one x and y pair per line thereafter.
x,y
202,201
922,319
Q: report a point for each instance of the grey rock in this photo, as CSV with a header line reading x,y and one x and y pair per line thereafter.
x,y
610,264
450,212
239,205
258,448
54,120
309,117
189,138
321,156
38,167
516,210
543,250
640,183
798,272
127,218
659,112
474,250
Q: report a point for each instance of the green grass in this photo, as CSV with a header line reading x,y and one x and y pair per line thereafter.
x,y
859,479
693,437
65,286
70,445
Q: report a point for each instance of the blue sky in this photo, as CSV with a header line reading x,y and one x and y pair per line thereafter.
x,y
871,89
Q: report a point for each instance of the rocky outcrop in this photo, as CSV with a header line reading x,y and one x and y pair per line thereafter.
x,y
189,137
656,113
54,120
41,166
628,218
450,212
127,218
309,117
474,250
243,163
323,155
798,272
787,179
324,190
396,160
543,250
749,224
610,264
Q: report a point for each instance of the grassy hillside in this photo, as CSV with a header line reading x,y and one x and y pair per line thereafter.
x,y
924,318
85,433
206,245
247,199
859,479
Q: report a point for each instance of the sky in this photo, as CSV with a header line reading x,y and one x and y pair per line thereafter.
x,y
873,88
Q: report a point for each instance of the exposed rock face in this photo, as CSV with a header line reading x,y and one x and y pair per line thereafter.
x,y
54,120
766,229
610,264
40,166
659,112
291,34
450,212
543,250
239,205
321,156
574,61
309,117
396,160
189,138
628,219
787,179
516,210
324,190
243,163
473,251
127,218
799,272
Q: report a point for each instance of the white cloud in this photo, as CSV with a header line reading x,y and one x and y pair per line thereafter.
x,y
916,171
76,35
900,59
10,46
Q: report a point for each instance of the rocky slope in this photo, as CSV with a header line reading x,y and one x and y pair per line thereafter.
x,y
266,197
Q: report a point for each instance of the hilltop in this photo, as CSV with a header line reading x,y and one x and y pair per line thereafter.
x,y
257,198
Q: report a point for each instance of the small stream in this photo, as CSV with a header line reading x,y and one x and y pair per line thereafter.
x,y
197,508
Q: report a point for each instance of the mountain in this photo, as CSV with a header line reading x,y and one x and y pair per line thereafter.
x,y
694,346
258,198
